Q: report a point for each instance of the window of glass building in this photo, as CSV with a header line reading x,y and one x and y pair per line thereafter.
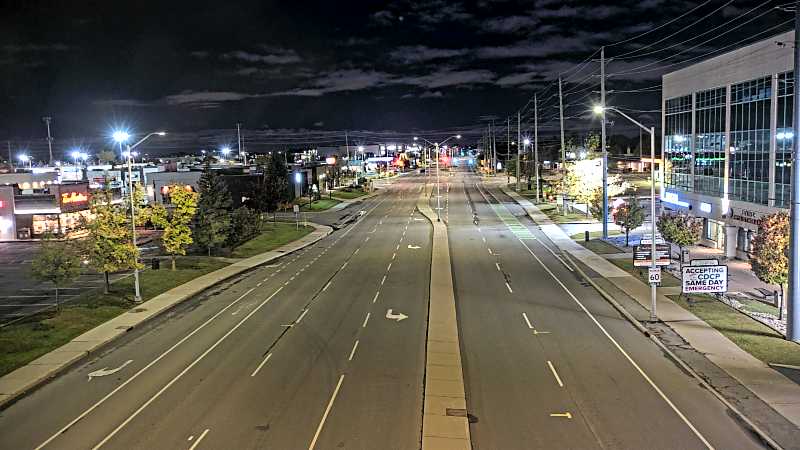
x,y
677,145
784,138
749,151
709,160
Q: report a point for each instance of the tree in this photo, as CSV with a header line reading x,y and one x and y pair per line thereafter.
x,y
109,246
680,229
274,186
142,211
584,177
246,224
629,216
177,234
57,263
770,252
107,156
213,219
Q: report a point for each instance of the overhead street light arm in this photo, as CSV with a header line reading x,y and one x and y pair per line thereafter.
x,y
155,133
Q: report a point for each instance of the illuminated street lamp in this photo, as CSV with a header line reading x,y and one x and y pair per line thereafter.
x,y
75,155
123,137
438,196
599,109
26,159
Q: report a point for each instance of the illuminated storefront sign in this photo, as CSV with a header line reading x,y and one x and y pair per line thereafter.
x,y
73,197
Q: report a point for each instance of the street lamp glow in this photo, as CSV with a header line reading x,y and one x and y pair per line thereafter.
x,y
161,133
458,136
121,136
75,154
361,148
598,109
416,138
24,158
226,150
84,156
526,141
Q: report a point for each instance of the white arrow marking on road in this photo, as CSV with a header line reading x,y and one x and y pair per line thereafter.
x,y
413,247
566,414
362,212
397,317
416,219
106,371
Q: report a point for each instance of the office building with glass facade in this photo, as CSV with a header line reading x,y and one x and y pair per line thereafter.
x,y
727,138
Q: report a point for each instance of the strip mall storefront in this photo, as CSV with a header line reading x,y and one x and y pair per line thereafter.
x,y
30,212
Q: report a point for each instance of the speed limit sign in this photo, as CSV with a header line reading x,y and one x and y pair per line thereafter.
x,y
654,275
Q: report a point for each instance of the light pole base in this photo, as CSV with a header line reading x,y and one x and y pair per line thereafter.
x,y
137,299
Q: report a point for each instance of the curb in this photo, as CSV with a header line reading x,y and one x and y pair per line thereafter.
x,y
26,379
638,325
445,424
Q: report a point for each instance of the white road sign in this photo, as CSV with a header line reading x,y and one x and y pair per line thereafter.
x,y
704,279
654,275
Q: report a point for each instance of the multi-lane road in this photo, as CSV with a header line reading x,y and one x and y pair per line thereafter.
x,y
326,349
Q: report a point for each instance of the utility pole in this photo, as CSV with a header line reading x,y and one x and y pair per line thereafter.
x,y
494,149
239,137
536,144
563,146
793,303
519,146
508,141
347,146
10,159
603,139
47,120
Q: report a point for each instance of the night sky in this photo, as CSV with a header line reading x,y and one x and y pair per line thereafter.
x,y
303,72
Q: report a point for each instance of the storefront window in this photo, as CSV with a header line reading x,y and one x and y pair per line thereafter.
x,y
749,152
677,137
709,161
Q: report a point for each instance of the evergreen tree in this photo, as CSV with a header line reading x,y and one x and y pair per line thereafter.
x,y
213,224
274,185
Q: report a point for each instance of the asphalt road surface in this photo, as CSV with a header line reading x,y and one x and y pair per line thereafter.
x,y
548,363
300,354
305,353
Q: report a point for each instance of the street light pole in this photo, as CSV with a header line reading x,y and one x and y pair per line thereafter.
x,y
438,196
793,303
122,137
652,130
603,139
519,152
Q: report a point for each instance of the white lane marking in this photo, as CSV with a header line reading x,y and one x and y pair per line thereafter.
x,y
259,284
367,239
498,267
184,371
389,268
200,438
566,415
105,371
261,364
344,265
525,316
366,319
357,250
325,415
555,374
484,239
398,317
397,247
142,370
509,288
303,314
374,299
394,255
327,286
413,247
622,351
286,284
353,351
490,250
383,280
190,438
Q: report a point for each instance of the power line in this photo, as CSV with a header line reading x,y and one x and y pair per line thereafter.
x,y
660,26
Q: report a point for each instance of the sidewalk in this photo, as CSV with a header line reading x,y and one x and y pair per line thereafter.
x,y
39,371
444,417
773,388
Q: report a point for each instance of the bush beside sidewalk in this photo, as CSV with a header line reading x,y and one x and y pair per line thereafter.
x,y
113,317
773,388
